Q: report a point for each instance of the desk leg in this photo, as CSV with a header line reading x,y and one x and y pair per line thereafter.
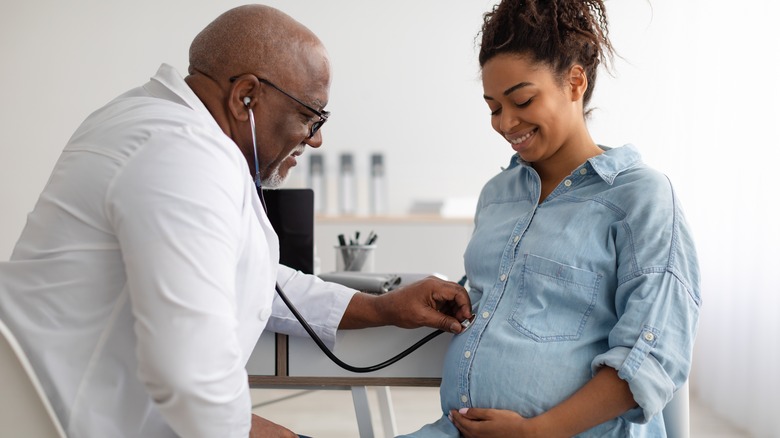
x,y
386,408
362,411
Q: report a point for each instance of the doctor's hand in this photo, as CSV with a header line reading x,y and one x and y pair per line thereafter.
x,y
431,302
262,428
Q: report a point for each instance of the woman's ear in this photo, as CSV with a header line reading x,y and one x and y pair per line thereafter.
x,y
577,82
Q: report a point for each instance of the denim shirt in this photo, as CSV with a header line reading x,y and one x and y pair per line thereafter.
x,y
603,272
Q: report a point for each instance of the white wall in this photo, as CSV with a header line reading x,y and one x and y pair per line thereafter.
x,y
405,83
696,91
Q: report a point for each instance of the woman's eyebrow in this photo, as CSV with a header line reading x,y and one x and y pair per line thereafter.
x,y
510,90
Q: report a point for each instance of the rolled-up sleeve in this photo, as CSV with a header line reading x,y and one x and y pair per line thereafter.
x,y
321,303
652,344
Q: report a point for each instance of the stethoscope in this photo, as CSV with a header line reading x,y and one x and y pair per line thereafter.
x,y
466,323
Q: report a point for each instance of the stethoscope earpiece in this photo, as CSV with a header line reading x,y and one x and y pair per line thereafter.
x,y
247,100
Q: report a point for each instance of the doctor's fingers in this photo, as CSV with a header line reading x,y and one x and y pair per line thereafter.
x,y
452,299
436,319
413,307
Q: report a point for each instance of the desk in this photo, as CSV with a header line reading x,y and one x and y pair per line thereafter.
x,y
294,362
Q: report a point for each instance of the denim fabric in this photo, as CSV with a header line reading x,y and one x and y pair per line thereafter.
x,y
603,272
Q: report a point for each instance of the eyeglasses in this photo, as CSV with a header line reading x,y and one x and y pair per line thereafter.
x,y
323,115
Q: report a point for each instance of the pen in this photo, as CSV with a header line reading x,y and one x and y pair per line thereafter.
x,y
345,253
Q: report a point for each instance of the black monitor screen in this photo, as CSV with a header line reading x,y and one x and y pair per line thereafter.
x,y
291,212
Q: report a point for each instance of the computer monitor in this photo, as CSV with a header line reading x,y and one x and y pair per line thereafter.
x,y
291,212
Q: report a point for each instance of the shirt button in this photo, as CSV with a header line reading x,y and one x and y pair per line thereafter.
x,y
464,399
649,337
583,171
264,314
567,183
485,314
516,239
467,354
503,277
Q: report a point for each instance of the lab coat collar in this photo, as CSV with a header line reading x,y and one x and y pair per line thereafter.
x,y
168,84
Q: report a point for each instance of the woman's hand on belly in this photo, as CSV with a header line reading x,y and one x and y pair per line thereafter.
x,y
488,423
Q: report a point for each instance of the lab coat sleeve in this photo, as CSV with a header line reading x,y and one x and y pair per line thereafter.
x,y
321,303
177,225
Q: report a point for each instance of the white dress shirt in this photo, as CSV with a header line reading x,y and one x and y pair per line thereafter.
x,y
145,274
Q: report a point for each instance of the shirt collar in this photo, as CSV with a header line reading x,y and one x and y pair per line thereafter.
x,y
607,165
613,162
168,84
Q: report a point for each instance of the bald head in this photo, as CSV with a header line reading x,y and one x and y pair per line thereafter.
x,y
253,39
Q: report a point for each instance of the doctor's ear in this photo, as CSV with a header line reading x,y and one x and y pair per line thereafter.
x,y
241,96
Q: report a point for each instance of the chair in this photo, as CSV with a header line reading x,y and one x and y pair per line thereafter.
x,y
677,414
24,409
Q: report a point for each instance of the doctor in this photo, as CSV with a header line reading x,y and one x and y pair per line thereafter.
x,y
145,273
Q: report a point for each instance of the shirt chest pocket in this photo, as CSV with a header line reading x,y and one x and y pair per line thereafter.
x,y
555,300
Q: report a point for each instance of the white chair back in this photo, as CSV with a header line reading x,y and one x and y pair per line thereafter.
x,y
677,414
25,410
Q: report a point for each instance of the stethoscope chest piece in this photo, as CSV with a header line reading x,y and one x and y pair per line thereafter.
x,y
466,323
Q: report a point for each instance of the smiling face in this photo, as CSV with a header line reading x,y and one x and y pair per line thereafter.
x,y
265,78
536,111
284,124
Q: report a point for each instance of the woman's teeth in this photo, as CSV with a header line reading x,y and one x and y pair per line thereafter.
x,y
523,138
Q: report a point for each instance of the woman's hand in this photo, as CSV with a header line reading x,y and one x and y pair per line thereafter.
x,y
491,423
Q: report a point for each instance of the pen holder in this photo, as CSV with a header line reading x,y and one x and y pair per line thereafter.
x,y
355,258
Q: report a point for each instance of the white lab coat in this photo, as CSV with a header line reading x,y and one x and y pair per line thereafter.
x,y
145,274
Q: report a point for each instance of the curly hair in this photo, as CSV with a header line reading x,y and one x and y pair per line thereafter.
x,y
558,33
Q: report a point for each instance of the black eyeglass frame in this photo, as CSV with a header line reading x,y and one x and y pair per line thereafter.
x,y
323,115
